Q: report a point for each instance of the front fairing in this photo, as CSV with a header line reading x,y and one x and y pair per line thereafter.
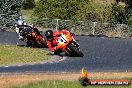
x,y
63,40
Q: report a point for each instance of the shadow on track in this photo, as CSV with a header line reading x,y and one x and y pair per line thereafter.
x,y
61,54
31,46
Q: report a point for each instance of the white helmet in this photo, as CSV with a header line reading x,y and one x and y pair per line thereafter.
x,y
20,22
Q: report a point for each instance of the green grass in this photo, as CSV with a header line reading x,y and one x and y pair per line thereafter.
x,y
64,84
12,54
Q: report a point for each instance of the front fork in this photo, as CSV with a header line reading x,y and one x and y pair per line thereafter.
x,y
75,43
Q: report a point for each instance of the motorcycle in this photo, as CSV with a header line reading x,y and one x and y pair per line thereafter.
x,y
32,37
67,43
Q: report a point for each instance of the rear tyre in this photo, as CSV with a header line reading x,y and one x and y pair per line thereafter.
x,y
30,43
57,52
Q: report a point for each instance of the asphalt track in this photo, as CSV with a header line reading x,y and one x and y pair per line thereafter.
x,y
101,54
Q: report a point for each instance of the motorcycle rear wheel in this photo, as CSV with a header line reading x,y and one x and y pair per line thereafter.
x,y
30,43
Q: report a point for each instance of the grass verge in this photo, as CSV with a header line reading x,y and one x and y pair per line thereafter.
x,y
12,54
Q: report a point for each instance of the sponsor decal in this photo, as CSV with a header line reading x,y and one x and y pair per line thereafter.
x,y
110,82
85,80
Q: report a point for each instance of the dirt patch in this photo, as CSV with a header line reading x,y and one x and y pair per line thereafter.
x,y
8,80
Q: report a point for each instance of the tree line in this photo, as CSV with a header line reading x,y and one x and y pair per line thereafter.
x,y
69,10
84,10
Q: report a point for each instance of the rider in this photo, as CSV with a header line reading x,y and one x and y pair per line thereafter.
x,y
52,40
19,27
22,27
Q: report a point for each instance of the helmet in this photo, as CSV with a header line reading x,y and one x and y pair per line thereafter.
x,y
49,34
20,22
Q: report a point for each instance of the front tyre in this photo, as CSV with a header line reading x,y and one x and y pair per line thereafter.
x,y
40,40
73,50
43,42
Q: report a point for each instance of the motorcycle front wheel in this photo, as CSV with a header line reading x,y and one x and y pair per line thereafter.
x,y
73,50
43,42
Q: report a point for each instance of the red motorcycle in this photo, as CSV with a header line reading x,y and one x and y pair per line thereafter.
x,y
67,44
32,37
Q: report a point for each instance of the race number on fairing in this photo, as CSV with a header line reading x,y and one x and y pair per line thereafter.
x,y
61,39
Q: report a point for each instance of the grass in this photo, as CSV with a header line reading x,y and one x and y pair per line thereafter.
x,y
64,84
12,54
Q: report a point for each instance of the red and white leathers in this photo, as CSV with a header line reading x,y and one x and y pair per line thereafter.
x,y
52,44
